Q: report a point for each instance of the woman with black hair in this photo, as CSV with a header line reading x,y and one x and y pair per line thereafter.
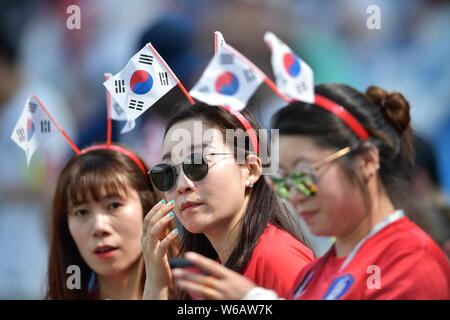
x,y
228,210
345,162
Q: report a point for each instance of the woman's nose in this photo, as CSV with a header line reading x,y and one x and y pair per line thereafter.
x,y
184,184
101,225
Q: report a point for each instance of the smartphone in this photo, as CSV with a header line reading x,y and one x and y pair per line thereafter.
x,y
183,263
180,263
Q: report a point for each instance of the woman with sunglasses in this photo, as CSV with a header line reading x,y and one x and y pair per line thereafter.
x,y
345,163
227,209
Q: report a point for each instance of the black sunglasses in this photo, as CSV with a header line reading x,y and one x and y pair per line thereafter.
x,y
195,166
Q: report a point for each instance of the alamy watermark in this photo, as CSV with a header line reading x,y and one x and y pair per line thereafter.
x,y
235,139
374,19
73,21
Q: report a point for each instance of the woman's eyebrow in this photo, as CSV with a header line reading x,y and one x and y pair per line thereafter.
x,y
301,158
192,147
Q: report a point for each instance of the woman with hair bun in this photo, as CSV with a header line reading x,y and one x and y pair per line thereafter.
x,y
345,163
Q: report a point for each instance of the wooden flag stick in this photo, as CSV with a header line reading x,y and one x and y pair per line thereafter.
x,y
72,144
174,77
108,113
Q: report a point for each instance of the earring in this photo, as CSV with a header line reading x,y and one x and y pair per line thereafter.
x,y
377,166
250,184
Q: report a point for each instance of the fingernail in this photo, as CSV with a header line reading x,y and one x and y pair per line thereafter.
x,y
170,214
171,202
175,230
163,201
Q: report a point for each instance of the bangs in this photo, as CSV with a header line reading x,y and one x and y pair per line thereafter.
x,y
97,182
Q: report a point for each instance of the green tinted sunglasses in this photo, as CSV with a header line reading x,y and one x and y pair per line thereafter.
x,y
304,179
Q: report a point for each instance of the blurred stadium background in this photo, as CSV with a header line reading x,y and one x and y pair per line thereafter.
x,y
39,54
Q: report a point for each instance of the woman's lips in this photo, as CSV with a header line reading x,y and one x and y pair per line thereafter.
x,y
190,206
105,252
308,215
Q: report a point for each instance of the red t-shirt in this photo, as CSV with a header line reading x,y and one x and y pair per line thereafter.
x,y
277,260
399,262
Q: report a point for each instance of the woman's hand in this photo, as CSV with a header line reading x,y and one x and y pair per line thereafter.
x,y
221,283
155,244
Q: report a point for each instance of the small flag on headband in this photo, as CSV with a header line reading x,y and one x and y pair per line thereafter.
x,y
119,114
33,128
143,81
228,80
294,77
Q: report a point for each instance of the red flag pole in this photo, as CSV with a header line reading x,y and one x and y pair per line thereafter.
x,y
180,85
262,74
108,114
72,144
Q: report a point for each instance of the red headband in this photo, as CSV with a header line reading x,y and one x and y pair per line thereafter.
x,y
340,112
248,127
117,148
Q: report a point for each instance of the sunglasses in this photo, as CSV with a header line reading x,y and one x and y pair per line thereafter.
x,y
304,179
195,166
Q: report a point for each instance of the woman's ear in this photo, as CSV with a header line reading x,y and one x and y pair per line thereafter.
x,y
253,169
369,162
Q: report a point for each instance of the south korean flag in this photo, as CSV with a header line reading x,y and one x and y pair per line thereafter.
x,y
33,128
294,77
119,114
228,80
143,81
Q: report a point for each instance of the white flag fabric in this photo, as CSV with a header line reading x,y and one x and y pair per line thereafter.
x,y
119,114
33,128
143,81
228,80
293,76
219,41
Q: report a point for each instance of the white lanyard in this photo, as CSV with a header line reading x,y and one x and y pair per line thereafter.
x,y
397,215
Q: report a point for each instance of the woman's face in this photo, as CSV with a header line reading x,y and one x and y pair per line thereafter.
x,y
337,207
218,199
108,232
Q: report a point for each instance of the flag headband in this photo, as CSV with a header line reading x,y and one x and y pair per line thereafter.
x,y
247,126
119,149
340,112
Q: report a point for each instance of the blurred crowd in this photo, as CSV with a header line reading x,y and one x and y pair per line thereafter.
x,y
39,54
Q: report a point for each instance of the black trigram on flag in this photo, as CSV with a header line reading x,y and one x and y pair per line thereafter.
x,y
163,78
120,86
136,104
301,87
204,89
45,126
146,58
32,107
226,58
249,75
21,134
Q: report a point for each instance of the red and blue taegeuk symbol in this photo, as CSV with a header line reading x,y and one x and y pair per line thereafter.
x,y
291,64
227,84
30,129
141,82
